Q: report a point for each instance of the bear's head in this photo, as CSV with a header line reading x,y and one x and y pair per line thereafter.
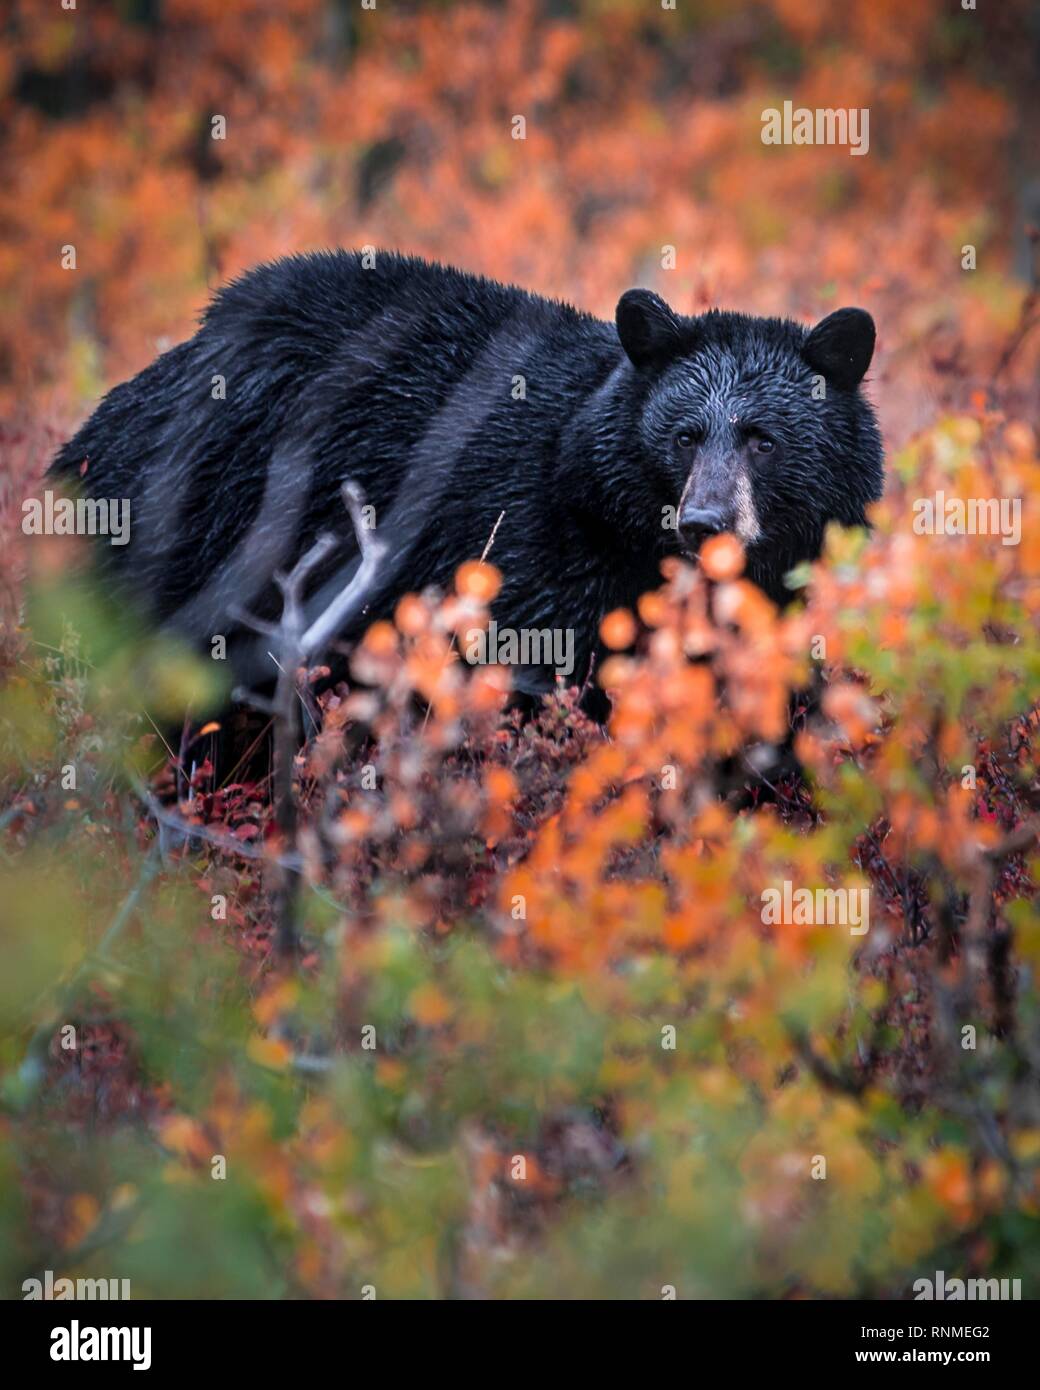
x,y
754,426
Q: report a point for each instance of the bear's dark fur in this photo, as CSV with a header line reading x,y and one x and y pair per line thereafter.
x,y
449,400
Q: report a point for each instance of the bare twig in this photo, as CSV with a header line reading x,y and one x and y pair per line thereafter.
x,y
292,645
289,659
491,538
1028,317
987,866
348,606
451,645
981,949
218,838
1023,837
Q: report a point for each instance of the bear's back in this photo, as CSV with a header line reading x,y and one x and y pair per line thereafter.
x,y
306,305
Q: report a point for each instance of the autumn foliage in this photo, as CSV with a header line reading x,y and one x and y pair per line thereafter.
x,y
541,1041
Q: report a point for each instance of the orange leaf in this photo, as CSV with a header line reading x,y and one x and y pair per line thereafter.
x,y
722,557
618,629
477,579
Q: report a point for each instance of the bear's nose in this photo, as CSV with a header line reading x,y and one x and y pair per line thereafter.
x,y
696,524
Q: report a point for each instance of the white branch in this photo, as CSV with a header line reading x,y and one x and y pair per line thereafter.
x,y
351,603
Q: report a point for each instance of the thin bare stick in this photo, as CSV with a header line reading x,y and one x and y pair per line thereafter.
x,y
219,839
248,620
289,659
351,603
491,538
451,644
292,645
975,933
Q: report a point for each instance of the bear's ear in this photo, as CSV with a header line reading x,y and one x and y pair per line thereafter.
x,y
648,329
841,346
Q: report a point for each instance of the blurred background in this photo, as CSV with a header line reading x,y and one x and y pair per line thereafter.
x,y
392,126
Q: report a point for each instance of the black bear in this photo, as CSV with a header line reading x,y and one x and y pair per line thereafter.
x,y
457,404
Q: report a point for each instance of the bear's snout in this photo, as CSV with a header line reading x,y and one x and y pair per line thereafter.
x,y
696,524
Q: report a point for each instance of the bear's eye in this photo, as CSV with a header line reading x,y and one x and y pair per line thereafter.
x,y
762,444
686,439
